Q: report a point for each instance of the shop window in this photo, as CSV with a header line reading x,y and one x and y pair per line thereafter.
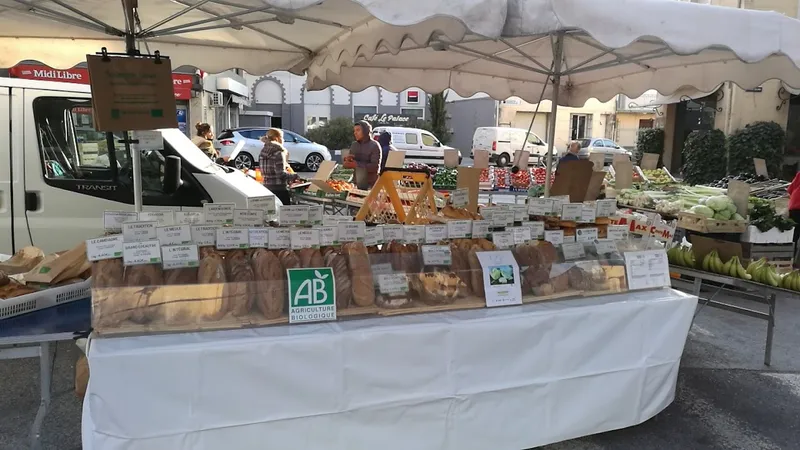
x,y
360,111
419,113
646,123
315,122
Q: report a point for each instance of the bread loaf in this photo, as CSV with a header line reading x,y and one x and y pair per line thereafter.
x,y
110,308
344,287
310,258
360,273
146,276
238,290
461,264
212,270
289,260
269,285
186,275
107,273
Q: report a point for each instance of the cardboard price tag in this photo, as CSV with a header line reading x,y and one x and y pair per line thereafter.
x,y
104,248
233,238
189,217
413,234
137,253
540,206
459,197
393,233
113,220
162,218
503,239
259,237
352,231
248,217
618,232
293,215
279,239
436,255
572,211
301,238
761,168
393,284
179,256
204,235
139,231
480,228
435,233
265,203
373,236
328,235
459,229
521,234
174,235
219,213
555,237
585,234
605,208
573,251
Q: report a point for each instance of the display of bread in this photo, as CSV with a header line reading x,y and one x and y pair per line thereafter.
x,y
269,284
239,275
360,273
23,260
146,277
334,259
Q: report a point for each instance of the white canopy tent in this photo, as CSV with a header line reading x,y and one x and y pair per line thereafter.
x,y
572,50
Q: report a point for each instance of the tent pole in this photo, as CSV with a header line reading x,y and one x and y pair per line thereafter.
x,y
558,50
136,156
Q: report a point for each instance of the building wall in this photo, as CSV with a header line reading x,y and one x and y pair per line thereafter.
x,y
627,127
467,115
740,108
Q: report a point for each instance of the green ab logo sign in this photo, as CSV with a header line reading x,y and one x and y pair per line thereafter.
x,y
312,295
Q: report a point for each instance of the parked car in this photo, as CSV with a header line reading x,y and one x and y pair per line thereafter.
x,y
503,142
601,145
302,152
420,145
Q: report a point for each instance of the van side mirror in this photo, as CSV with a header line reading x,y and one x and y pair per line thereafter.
x,y
172,174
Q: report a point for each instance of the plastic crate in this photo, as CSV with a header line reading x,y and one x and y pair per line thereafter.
x,y
46,298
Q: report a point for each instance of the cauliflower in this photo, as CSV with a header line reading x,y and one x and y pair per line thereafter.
x,y
719,202
723,215
702,210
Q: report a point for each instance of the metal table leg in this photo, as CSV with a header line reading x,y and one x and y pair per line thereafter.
x,y
771,301
697,286
45,380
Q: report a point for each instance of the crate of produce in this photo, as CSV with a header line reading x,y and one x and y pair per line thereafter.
x,y
42,299
342,174
702,224
772,236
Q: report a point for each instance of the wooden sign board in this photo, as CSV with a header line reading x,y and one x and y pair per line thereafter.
x,y
739,192
323,173
595,183
451,158
623,175
650,161
396,159
480,159
621,157
131,93
521,159
572,179
468,178
761,167
598,159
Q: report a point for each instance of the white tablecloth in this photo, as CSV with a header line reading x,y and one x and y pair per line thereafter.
x,y
506,378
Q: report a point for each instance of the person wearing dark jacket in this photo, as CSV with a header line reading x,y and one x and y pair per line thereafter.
x,y
274,166
364,157
385,140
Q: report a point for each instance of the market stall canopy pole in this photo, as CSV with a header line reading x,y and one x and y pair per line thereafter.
x,y
259,36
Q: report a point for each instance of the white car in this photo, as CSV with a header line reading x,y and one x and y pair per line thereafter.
x,y
302,152
502,143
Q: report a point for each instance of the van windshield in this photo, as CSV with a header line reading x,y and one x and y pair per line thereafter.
x,y
188,151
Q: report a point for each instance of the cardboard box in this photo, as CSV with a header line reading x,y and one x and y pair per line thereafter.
x,y
701,246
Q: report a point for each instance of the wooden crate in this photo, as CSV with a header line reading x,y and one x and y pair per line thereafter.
x,y
703,224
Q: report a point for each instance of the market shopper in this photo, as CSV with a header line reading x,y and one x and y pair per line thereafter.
x,y
385,140
572,152
364,157
204,140
794,214
275,167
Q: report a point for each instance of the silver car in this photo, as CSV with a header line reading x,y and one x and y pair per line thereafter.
x,y
601,145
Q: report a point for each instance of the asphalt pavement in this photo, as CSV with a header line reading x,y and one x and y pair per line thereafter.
x,y
726,398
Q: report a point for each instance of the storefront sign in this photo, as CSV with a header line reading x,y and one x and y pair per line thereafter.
x,y
381,119
501,278
312,295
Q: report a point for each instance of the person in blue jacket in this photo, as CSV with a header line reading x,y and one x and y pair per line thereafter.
x,y
572,152
385,141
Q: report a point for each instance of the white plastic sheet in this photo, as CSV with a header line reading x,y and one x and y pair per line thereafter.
x,y
505,378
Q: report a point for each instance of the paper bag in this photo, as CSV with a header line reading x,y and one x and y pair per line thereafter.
x,y
69,265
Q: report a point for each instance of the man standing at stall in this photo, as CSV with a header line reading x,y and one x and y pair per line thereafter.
x,y
364,157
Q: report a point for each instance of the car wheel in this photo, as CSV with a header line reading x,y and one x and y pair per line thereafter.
x,y
243,161
313,161
503,160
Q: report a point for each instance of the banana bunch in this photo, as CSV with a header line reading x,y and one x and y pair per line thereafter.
x,y
681,256
733,268
791,281
762,272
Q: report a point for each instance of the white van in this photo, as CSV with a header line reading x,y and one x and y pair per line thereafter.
x,y
503,142
420,146
58,175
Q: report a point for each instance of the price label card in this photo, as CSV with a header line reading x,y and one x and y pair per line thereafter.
x,y
558,202
555,237
573,250
104,248
618,232
373,236
265,203
521,234
537,230
501,278
315,214
588,214
605,246
137,253
139,231
520,212
459,197
248,218
189,218
569,239
258,237
459,229
328,235
174,235
219,213
293,215
647,269
571,211
301,238
436,255
393,284
503,239
204,235
352,231
113,220
163,218
585,234
329,220
540,206
393,233
413,234
503,218
480,228
488,211
279,239
606,208
179,256
435,233
233,238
